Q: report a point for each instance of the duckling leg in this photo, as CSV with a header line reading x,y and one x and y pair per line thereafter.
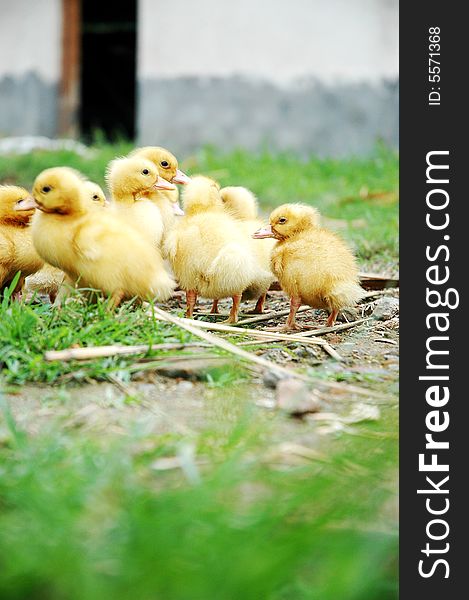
x,y
332,318
18,291
116,299
259,308
291,324
233,318
191,299
64,291
214,309
295,303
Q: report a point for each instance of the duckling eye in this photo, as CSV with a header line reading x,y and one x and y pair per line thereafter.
x,y
282,220
164,164
95,197
46,189
146,172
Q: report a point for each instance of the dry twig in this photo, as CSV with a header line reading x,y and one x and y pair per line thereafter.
x,y
90,353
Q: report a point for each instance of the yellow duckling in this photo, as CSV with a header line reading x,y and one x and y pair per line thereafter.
x,y
166,200
17,251
128,179
94,247
242,205
208,250
49,279
96,192
313,265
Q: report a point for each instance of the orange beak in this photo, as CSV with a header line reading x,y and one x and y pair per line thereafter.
x,y
25,204
162,184
265,232
180,177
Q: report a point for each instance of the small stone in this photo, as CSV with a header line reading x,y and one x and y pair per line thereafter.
x,y
362,412
184,386
295,398
271,379
305,352
386,308
348,315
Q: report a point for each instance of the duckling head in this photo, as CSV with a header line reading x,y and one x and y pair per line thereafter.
x,y
288,220
133,176
16,206
95,193
59,190
164,161
239,202
200,195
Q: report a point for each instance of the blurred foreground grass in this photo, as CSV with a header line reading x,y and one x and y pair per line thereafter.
x,y
87,517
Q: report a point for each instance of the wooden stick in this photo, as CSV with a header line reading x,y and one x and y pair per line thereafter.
x,y
378,293
327,347
225,345
90,353
386,341
257,343
330,350
271,315
341,327
245,331
267,335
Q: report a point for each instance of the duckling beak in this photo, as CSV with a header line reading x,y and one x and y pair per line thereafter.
x,y
177,209
180,177
265,232
25,204
162,184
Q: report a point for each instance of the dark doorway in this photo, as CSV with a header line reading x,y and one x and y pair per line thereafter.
x,y
108,69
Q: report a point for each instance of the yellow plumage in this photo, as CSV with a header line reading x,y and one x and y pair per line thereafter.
x,y
207,248
313,265
128,179
167,166
242,205
17,252
92,246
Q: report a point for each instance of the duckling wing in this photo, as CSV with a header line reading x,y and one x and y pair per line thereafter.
x,y
277,263
88,241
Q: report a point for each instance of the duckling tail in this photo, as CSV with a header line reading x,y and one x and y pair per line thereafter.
x,y
346,293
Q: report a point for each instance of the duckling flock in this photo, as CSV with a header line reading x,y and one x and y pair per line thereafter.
x,y
140,244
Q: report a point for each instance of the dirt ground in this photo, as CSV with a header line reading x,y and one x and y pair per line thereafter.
x,y
182,404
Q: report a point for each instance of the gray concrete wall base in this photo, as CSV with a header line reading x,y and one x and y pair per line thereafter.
x,y
308,118
28,106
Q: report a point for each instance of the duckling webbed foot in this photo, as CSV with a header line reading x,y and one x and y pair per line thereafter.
x,y
214,310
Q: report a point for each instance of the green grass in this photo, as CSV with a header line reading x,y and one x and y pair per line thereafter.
x,y
27,331
86,518
84,515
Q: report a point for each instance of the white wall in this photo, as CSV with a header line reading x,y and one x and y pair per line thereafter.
x,y
310,76
30,38
277,40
